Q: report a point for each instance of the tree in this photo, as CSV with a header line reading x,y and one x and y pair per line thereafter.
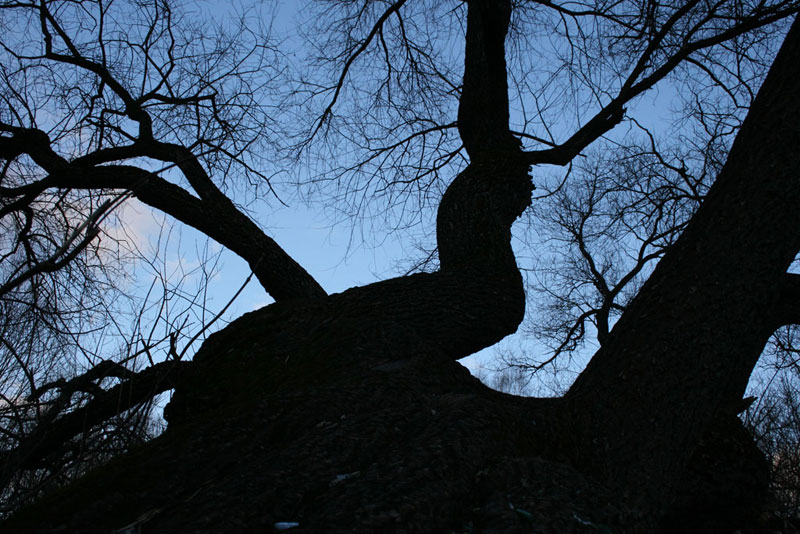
x,y
277,407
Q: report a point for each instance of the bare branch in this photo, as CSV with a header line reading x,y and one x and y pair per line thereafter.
x,y
134,390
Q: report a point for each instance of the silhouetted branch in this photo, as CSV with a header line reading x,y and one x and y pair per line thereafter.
x,y
136,388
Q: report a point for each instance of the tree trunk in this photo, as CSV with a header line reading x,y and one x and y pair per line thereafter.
x,y
683,352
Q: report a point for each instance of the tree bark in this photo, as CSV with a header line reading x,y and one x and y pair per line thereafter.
x,y
483,106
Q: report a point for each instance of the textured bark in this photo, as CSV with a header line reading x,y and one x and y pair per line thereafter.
x,y
682,353
307,422
483,106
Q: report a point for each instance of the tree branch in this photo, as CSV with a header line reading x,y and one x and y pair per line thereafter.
x,y
214,214
50,436
787,310
63,255
376,29
611,114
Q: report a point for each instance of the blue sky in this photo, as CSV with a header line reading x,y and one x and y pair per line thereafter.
x,y
338,253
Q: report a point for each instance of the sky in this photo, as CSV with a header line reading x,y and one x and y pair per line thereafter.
x,y
335,252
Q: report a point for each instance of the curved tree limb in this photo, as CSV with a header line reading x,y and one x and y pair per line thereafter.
x,y
213,214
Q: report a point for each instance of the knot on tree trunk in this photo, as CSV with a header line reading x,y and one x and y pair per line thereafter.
x,y
473,224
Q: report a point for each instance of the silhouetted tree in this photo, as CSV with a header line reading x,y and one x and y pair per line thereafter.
x,y
276,404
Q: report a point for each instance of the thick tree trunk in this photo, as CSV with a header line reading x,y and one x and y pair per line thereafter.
x,y
683,352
